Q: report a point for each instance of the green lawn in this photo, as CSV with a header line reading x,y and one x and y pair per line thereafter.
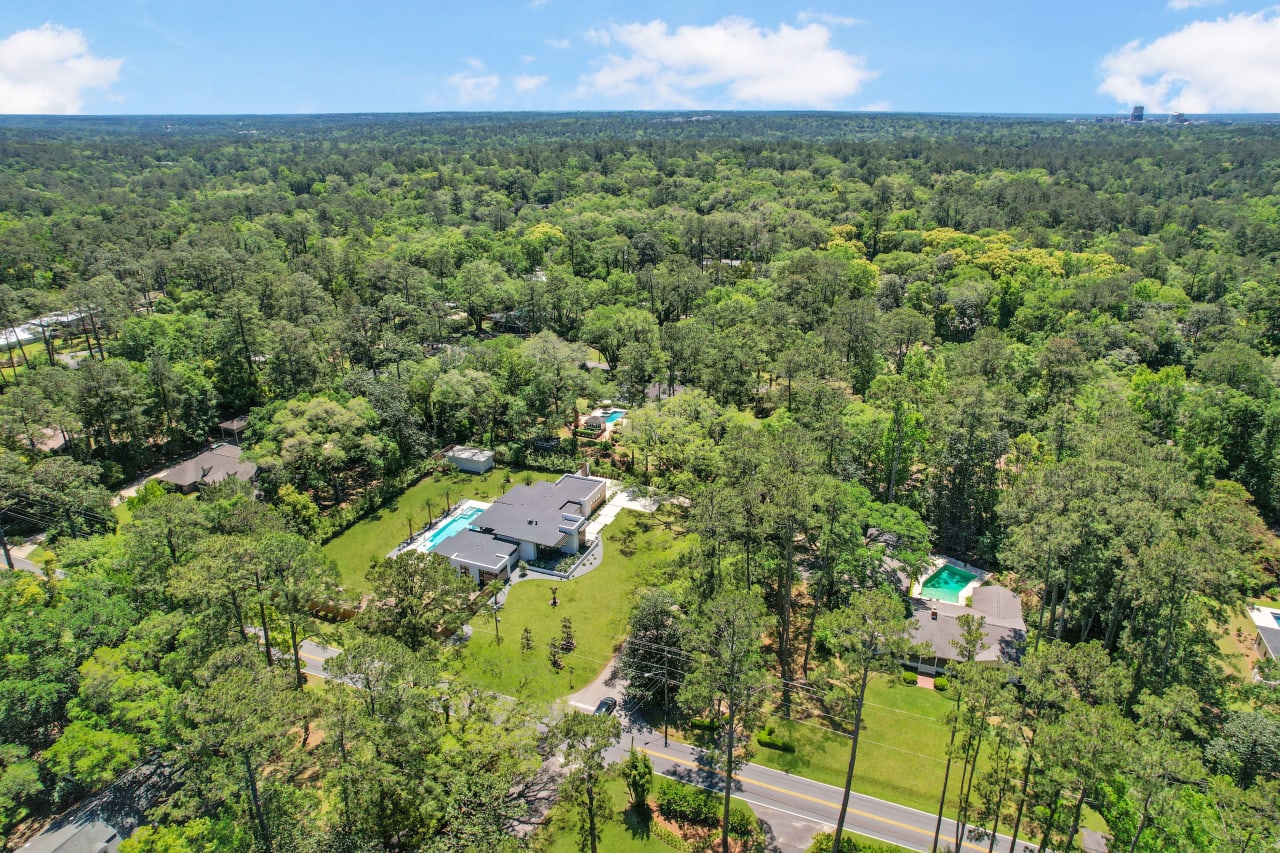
x,y
636,546
378,533
901,754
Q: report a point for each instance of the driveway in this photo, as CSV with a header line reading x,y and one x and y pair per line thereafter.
x,y
607,683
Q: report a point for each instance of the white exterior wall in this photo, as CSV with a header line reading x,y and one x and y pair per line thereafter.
x,y
467,462
528,550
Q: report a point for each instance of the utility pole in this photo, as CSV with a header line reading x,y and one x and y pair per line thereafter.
x,y
665,713
4,544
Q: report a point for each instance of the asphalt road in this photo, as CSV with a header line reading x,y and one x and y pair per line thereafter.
x,y
801,799
793,806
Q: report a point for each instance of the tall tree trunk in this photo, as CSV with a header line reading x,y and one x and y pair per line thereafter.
x,y
297,656
1022,799
946,777
853,757
728,776
1048,824
591,814
251,778
1075,819
1142,824
266,636
784,646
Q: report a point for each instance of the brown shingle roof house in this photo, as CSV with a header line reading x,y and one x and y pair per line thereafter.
x,y
213,466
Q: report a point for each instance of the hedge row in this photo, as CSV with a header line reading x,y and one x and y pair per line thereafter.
x,y
687,804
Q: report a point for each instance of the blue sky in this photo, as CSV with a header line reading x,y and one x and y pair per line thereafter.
x,y
291,56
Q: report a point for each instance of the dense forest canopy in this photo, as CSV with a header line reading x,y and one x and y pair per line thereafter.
x,y
1048,347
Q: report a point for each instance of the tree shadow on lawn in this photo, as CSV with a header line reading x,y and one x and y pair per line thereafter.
x,y
636,819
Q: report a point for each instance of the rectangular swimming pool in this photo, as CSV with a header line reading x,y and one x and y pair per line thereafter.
x,y
459,522
615,415
946,583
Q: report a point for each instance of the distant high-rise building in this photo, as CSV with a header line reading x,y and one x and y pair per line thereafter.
x,y
1136,115
1177,118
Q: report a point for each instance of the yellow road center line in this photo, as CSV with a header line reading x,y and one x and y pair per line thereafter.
x,y
798,795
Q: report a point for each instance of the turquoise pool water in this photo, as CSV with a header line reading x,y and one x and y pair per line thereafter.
x,y
458,522
945,584
615,415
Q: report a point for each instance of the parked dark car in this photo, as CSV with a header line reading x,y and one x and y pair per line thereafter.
x,y
607,705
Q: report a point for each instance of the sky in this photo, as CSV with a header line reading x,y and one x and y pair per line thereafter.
x,y
323,56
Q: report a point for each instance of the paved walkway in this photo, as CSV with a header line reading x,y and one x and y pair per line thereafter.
x,y
625,498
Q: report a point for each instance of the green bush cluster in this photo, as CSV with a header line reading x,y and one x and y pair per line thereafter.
x,y
940,684
669,838
687,804
770,739
909,677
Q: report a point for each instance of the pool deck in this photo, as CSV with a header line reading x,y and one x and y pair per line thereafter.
x,y
979,578
422,539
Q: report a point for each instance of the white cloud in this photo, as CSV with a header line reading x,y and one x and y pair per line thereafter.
x,y
528,57
598,35
1193,4
877,107
46,70
1228,65
829,19
789,66
529,82
538,4
476,84
559,44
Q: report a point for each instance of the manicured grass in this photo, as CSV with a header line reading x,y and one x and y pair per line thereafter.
x,y
901,754
374,536
636,546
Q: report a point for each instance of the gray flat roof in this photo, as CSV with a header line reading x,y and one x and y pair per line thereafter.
x,y
537,512
476,549
477,453
1270,639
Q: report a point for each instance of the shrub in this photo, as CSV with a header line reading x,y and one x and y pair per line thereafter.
x,y
669,838
770,739
703,724
687,804
940,684
909,677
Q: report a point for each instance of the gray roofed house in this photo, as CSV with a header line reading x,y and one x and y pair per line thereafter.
x,y
544,515
938,626
479,554
213,466
528,522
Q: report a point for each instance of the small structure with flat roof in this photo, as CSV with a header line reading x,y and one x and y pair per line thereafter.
x,y
213,466
473,460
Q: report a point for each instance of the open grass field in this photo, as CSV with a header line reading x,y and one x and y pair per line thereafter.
x,y
375,535
598,603
901,754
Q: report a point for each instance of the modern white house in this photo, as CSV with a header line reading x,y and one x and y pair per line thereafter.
x,y
527,523
473,460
